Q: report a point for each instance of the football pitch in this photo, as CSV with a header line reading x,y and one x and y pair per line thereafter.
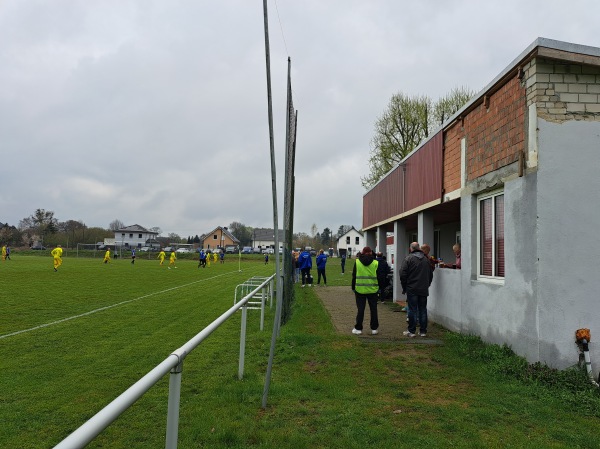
x,y
71,341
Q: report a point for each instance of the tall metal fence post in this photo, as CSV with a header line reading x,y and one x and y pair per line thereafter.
x,y
271,290
243,342
173,406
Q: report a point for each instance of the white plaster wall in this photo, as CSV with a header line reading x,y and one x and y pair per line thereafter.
x,y
501,313
552,282
569,245
444,305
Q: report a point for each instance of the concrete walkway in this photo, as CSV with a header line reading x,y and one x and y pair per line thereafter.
x,y
341,306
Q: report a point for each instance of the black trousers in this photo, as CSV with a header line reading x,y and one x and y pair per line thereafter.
x,y
361,303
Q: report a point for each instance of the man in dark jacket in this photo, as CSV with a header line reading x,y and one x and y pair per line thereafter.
x,y
416,277
382,275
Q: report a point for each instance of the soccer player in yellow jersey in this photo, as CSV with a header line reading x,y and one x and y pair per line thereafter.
x,y
107,256
3,252
57,255
215,257
161,256
172,259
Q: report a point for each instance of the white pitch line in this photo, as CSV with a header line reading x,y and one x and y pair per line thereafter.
x,y
109,307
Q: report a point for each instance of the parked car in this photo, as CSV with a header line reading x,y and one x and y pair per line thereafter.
x,y
168,248
38,247
145,249
256,251
247,250
183,250
231,250
268,251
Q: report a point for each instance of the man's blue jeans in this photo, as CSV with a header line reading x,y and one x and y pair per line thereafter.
x,y
417,309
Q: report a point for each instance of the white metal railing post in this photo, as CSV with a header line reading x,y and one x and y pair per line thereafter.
x,y
271,293
262,308
243,342
173,406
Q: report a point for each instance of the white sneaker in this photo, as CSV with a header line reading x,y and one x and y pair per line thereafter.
x,y
356,331
310,285
422,335
302,285
374,332
409,334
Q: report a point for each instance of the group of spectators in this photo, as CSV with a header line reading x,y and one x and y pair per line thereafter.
x,y
302,264
370,276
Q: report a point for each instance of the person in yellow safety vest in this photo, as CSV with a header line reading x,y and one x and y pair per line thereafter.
x,y
161,256
107,256
57,256
365,287
172,259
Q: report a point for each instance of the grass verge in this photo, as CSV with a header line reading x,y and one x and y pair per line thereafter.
x,y
328,390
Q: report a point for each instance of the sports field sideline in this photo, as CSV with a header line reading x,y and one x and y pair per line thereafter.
x,y
73,340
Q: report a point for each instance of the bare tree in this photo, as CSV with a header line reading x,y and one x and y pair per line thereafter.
x,y
241,232
314,230
449,105
116,225
38,225
403,125
175,238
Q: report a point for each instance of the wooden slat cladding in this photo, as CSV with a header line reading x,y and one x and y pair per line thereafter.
x,y
385,199
423,171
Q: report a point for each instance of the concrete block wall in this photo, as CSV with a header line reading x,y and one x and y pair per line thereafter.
x,y
563,90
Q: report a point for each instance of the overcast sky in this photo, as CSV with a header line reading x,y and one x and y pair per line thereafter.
x,y
155,112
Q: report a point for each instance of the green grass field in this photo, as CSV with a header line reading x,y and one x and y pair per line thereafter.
x,y
328,390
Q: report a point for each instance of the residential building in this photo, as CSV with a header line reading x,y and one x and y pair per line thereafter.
x,y
351,242
265,238
134,236
220,237
512,177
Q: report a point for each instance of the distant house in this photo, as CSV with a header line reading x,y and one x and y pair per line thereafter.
x,y
351,242
135,236
265,238
220,237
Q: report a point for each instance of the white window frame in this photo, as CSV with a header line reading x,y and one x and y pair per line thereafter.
x,y
480,198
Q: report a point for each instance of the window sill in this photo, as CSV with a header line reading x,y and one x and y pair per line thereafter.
x,y
490,280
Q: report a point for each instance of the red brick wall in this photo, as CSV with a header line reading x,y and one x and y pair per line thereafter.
x,y
494,135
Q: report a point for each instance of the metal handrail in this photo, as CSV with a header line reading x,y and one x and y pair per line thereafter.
x,y
173,364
